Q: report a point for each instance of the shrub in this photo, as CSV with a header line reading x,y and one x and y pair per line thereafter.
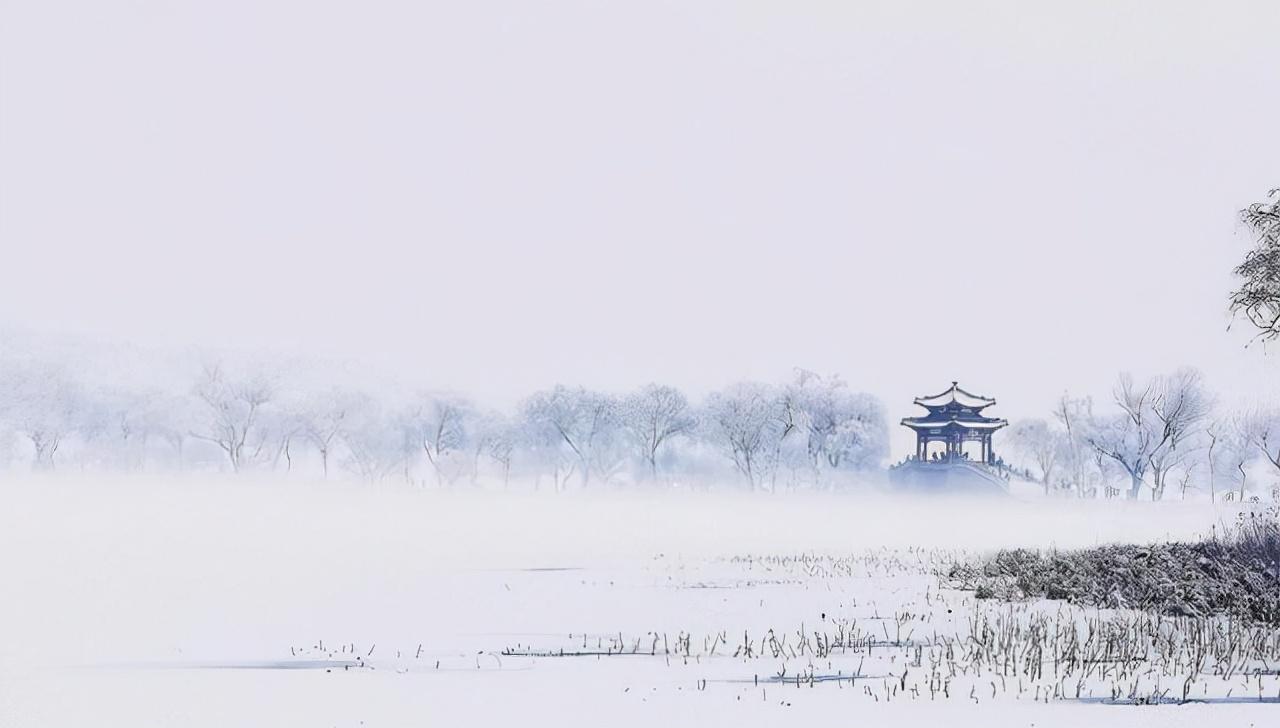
x,y
1237,575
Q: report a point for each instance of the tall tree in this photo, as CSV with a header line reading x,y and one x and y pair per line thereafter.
x,y
232,414
440,424
581,421
746,420
1075,414
1128,439
1155,429
652,417
323,416
1234,456
842,429
1179,407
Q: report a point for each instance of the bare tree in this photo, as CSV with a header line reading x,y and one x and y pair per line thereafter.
x,y
545,447
439,424
125,422
284,423
45,405
496,437
233,408
373,442
172,417
1214,432
652,417
746,421
1260,429
1179,405
580,420
492,436
1042,443
1127,439
1075,416
1157,421
1235,453
324,416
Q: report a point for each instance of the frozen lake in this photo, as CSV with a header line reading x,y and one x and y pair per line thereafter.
x,y
217,602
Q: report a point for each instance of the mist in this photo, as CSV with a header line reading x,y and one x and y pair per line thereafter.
x,y
496,198
639,363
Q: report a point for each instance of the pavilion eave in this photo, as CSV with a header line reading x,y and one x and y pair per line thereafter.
x,y
924,423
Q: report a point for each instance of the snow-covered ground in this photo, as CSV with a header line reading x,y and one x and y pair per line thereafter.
x,y
220,602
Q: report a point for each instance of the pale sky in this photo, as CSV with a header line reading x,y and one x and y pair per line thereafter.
x,y
495,196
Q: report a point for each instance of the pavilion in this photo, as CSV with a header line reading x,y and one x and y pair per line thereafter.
x,y
954,418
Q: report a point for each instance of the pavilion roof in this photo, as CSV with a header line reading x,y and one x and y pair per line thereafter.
x,y
974,422
955,395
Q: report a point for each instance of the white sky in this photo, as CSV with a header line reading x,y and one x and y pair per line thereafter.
x,y
493,196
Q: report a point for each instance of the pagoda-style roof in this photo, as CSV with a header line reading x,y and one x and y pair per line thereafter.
x,y
955,419
955,396
970,422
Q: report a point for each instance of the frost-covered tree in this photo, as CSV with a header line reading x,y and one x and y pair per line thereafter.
x,y
582,424
1260,430
497,438
1042,443
1194,469
44,404
372,442
1075,414
1258,297
1157,420
124,422
232,414
748,422
544,448
652,418
285,425
1234,454
1128,439
172,417
842,430
324,416
440,424
1179,405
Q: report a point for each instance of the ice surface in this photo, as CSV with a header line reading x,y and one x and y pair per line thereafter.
x,y
241,602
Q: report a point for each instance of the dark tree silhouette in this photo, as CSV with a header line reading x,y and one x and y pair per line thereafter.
x,y
1258,297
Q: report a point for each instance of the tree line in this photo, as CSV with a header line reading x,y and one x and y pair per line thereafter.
x,y
812,430
1165,433
1155,436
